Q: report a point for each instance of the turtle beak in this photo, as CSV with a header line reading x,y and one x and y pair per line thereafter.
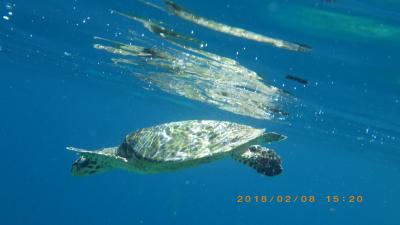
x,y
75,169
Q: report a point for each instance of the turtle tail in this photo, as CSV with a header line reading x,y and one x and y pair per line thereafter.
x,y
265,161
91,162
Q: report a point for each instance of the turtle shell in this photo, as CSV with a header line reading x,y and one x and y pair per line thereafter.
x,y
189,140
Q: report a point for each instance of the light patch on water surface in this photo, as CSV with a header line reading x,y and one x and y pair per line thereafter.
x,y
192,72
185,14
199,75
340,25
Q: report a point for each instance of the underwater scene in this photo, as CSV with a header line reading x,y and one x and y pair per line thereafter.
x,y
200,112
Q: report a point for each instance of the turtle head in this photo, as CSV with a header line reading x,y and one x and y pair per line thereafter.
x,y
89,162
84,166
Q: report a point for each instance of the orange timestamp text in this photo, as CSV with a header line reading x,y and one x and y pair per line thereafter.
x,y
299,199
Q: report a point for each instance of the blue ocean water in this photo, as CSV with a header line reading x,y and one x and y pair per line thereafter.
x,y
343,131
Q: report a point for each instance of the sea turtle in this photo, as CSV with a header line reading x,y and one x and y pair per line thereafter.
x,y
183,144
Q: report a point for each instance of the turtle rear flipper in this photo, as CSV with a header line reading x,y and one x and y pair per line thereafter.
x,y
262,159
93,162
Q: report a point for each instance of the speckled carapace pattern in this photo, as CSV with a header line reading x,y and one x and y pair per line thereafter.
x,y
189,140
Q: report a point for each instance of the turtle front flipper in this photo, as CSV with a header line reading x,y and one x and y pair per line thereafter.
x,y
265,161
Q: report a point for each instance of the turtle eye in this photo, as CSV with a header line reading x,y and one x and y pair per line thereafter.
x,y
81,162
254,148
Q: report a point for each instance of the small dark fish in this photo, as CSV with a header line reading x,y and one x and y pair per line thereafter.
x,y
298,79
